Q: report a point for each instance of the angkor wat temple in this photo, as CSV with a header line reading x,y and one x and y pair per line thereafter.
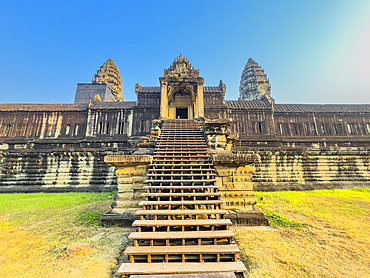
x,y
61,147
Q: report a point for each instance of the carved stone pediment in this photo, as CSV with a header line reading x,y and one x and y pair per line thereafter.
x,y
181,67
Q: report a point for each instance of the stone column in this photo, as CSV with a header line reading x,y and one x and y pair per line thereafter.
x,y
131,173
200,101
164,101
235,179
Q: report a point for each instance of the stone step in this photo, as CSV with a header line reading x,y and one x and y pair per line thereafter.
x,y
177,170
199,222
187,249
181,235
176,268
181,147
189,275
181,175
172,143
208,194
170,203
191,164
189,187
182,155
174,181
182,212
175,151
180,160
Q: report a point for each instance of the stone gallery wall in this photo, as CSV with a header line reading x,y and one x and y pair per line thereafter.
x,y
60,171
309,170
60,147
59,166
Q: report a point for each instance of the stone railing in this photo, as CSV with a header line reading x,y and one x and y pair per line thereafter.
x,y
235,179
131,173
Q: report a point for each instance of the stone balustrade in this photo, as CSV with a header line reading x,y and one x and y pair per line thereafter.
x,y
235,179
131,173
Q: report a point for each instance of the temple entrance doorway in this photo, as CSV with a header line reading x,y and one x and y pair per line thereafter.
x,y
181,113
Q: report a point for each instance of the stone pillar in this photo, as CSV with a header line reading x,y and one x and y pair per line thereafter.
x,y
235,180
164,101
200,101
131,173
234,174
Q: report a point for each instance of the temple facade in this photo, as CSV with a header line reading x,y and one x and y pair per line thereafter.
x,y
61,147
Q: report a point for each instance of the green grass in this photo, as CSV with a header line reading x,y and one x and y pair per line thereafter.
x,y
59,232
323,233
318,234
45,204
89,218
276,219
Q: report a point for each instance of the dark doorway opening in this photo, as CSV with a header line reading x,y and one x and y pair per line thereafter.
x,y
181,113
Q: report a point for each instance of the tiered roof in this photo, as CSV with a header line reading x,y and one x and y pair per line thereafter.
x,y
42,107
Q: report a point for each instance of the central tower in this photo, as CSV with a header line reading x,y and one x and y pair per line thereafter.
x,y
181,91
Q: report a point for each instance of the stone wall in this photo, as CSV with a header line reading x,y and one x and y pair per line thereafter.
x,y
60,147
59,166
55,172
309,170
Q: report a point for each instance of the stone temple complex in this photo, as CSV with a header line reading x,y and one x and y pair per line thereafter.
x,y
61,147
184,160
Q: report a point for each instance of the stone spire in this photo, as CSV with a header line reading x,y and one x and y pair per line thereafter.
x,y
254,84
109,74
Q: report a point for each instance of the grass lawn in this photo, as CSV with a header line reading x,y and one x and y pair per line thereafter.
x,y
57,235
319,234
323,233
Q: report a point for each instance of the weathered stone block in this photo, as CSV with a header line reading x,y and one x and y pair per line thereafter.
x,y
131,174
128,160
124,180
124,188
126,204
138,186
125,195
138,179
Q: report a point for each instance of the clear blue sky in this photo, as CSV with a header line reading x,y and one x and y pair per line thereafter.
x,y
312,51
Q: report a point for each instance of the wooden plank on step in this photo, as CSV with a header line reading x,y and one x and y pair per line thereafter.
x,y
177,268
177,235
183,249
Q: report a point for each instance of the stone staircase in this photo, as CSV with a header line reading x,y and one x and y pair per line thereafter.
x,y
182,227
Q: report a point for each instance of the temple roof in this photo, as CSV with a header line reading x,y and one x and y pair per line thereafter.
x,y
248,104
112,105
157,89
25,107
337,108
303,108
148,89
232,104
42,107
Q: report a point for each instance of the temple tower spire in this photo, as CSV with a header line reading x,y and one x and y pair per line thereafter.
x,y
109,74
254,84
